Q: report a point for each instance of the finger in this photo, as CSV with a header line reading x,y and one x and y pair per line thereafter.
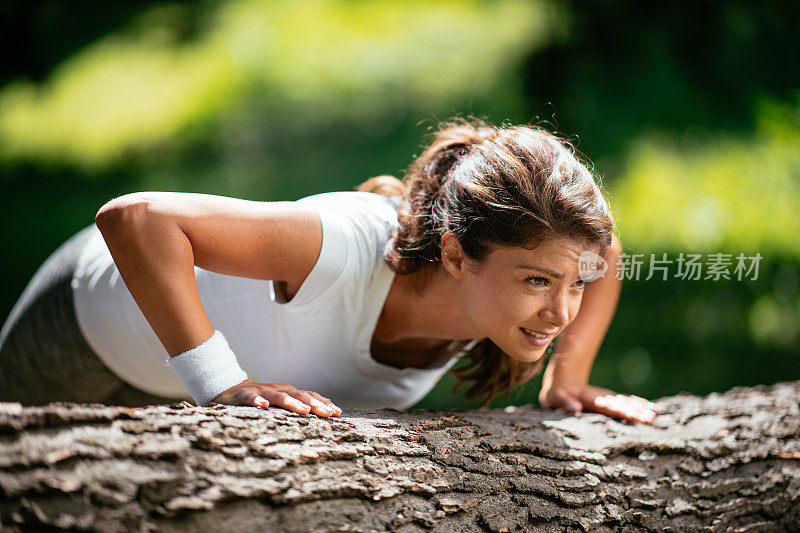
x,y
327,401
609,403
319,396
615,405
282,399
643,402
620,406
260,401
318,407
639,409
566,401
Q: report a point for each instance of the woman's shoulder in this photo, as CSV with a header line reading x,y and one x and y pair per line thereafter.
x,y
356,228
355,224
360,209
343,200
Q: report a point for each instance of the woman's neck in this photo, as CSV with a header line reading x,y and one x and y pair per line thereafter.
x,y
423,317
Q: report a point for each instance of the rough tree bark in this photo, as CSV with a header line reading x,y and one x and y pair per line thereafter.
x,y
726,462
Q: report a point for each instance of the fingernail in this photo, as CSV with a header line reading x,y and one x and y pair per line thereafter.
x,y
573,406
299,405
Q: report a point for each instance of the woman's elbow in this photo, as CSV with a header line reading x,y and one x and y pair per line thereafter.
x,y
122,211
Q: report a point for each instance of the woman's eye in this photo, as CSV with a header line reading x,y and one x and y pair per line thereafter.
x,y
537,281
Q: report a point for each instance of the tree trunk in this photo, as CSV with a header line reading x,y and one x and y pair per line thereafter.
x,y
727,462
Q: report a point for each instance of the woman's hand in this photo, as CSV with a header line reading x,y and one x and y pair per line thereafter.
x,y
576,397
280,395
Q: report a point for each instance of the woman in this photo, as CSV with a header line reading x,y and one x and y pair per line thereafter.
x,y
366,297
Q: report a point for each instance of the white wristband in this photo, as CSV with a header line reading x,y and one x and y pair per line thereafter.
x,y
208,369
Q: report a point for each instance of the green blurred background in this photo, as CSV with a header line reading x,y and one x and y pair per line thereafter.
x,y
689,111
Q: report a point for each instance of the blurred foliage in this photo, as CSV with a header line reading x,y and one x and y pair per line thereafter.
x,y
715,192
690,112
629,69
367,61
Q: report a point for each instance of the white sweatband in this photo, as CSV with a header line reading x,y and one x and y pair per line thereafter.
x,y
208,369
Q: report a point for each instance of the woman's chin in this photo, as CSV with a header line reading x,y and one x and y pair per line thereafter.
x,y
528,357
524,353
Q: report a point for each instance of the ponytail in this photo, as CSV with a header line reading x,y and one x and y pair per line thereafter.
x,y
385,185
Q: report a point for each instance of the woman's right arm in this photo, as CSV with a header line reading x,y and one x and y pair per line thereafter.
x,y
156,239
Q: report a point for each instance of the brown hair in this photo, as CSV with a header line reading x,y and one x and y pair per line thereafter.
x,y
491,185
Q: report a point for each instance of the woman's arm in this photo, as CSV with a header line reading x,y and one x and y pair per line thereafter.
x,y
156,239
565,381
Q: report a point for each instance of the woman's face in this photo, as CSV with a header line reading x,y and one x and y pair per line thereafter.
x,y
520,299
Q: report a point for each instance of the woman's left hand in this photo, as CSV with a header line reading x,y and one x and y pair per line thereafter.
x,y
575,398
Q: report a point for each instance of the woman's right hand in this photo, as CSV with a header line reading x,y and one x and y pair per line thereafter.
x,y
280,395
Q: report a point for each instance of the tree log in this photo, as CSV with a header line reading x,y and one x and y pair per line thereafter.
x,y
726,462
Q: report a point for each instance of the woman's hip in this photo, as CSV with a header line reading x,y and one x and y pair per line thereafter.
x,y
43,354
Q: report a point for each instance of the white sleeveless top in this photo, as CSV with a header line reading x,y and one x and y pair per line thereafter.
x,y
318,341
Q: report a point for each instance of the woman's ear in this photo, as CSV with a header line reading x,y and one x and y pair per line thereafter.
x,y
453,257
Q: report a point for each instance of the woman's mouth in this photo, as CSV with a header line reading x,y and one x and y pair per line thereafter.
x,y
535,338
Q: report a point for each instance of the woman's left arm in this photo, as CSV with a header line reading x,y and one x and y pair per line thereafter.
x,y
566,380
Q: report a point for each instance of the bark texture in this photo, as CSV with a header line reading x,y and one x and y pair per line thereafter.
x,y
726,462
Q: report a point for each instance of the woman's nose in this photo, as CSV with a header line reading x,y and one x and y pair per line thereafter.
x,y
556,311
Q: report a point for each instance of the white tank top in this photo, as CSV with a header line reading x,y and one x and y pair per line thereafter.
x,y
318,341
